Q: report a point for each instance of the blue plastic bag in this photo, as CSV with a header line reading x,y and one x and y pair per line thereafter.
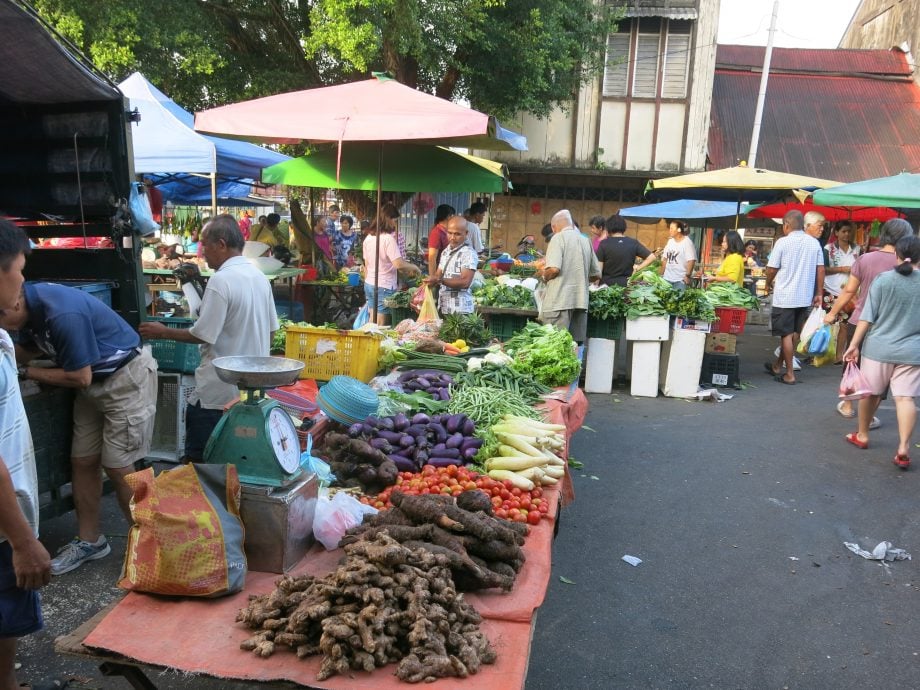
x,y
139,207
820,341
363,316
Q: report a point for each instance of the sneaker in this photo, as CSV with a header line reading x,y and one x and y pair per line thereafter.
x,y
796,364
875,423
78,552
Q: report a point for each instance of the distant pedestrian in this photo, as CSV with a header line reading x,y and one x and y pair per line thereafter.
x,y
891,347
795,274
678,257
474,216
437,236
597,226
569,266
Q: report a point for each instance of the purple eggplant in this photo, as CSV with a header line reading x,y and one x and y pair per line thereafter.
x,y
469,427
468,454
453,422
436,448
401,422
442,462
440,433
355,430
416,430
421,457
381,444
436,419
372,421
471,442
454,441
406,441
420,419
387,424
403,464
447,453
392,436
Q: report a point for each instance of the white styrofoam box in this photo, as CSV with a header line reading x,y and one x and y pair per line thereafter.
x,y
681,361
646,357
168,442
599,371
648,328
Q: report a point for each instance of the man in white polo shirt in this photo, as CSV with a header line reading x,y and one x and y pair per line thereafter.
x,y
795,274
237,318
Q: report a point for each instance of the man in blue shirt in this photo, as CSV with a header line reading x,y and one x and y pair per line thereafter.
x,y
96,352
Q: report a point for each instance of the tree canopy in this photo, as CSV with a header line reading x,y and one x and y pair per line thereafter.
x,y
503,56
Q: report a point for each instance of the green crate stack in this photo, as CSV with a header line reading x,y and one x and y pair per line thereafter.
x,y
609,329
175,356
398,314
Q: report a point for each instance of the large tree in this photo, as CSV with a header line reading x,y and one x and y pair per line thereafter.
x,y
503,56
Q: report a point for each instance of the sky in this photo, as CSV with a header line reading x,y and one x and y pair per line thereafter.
x,y
799,24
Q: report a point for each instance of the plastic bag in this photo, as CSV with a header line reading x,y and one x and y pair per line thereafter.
x,y
820,341
187,537
829,356
418,298
363,316
335,516
429,310
853,385
139,207
814,321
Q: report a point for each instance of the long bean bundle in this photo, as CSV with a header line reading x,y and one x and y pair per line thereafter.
x,y
506,378
486,406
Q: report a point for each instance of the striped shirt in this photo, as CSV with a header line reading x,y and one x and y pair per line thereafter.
x,y
16,450
453,263
796,258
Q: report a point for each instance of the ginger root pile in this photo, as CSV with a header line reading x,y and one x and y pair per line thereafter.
x,y
387,603
482,551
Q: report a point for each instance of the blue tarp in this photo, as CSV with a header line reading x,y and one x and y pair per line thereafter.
x,y
165,141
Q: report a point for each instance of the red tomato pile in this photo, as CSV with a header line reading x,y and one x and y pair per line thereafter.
x,y
508,502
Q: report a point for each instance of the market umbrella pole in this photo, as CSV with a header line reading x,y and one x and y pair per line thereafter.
x,y
377,238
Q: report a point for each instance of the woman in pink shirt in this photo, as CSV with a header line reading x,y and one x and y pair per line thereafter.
x,y
391,261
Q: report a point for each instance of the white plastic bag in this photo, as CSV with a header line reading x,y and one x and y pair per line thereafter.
x,y
337,515
813,323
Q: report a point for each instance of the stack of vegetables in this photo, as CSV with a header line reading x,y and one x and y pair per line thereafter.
x,y
692,303
527,452
494,294
730,295
546,352
646,295
607,303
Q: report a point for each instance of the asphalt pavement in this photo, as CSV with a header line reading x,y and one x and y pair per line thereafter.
x,y
738,510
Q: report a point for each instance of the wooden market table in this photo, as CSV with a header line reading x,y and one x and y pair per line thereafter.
x,y
199,636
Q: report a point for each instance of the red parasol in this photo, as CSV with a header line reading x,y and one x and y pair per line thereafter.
x,y
857,214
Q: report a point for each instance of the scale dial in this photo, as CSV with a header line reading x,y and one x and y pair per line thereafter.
x,y
283,437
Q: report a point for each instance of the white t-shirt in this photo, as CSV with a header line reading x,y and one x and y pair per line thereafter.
x,y
237,318
676,256
16,449
474,236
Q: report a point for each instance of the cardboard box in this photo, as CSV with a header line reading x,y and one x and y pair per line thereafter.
x,y
682,323
721,343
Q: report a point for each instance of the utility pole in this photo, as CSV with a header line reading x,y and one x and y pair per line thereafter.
x,y
762,95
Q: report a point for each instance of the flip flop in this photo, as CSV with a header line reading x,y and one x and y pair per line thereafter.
x,y
841,413
779,379
902,461
768,367
854,439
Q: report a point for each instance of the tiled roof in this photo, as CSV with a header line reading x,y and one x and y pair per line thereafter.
x,y
844,115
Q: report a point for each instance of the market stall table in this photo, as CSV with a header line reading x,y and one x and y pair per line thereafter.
x,y
508,618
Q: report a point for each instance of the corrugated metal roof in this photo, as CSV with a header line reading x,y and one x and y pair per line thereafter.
x,y
844,128
815,60
672,9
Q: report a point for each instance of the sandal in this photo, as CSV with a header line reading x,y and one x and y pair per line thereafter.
x,y
842,413
854,439
902,461
768,367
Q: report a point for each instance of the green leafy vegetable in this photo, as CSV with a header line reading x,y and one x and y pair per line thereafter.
x,y
494,294
468,327
546,352
730,295
608,303
691,303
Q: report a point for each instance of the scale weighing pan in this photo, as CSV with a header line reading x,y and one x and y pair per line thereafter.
x,y
257,372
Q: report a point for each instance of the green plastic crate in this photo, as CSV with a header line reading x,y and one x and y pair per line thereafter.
x,y
503,326
610,329
398,314
170,355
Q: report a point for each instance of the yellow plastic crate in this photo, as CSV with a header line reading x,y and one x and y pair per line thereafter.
x,y
327,353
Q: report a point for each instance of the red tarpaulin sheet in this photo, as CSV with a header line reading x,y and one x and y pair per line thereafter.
x,y
200,636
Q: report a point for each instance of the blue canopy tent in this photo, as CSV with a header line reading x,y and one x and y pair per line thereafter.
x,y
184,163
715,212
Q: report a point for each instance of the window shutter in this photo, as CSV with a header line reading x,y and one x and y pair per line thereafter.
x,y
616,65
676,63
645,79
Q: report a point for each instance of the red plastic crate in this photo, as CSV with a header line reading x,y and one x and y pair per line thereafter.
x,y
729,320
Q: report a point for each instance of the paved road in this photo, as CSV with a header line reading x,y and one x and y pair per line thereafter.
x,y
717,500
739,512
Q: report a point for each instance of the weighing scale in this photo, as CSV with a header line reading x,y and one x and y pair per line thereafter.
x,y
277,497
256,434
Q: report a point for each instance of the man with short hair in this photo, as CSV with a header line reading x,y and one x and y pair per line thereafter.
x,y
456,270
474,217
25,565
96,352
795,274
237,318
274,233
332,220
569,266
